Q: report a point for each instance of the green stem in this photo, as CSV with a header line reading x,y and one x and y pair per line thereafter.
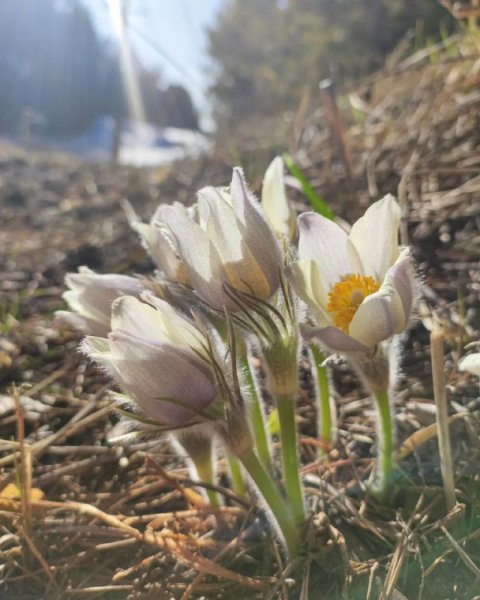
x,y
325,426
288,438
385,446
274,500
257,418
205,472
238,482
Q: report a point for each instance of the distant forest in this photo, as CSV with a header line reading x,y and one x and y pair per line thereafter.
x,y
269,52
58,74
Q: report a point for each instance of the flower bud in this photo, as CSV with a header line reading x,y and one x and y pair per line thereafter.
x,y
157,356
276,206
232,245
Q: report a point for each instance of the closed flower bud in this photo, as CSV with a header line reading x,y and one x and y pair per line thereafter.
x,y
231,245
159,359
276,206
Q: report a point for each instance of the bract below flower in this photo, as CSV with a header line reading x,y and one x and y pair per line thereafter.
x,y
90,297
358,286
156,356
231,245
275,203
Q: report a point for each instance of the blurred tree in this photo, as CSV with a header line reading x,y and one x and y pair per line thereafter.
x,y
179,107
55,70
267,51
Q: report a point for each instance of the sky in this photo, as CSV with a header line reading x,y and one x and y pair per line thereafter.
x,y
169,35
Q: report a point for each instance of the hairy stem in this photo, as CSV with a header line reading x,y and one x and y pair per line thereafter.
x,y
291,472
385,443
257,418
274,500
205,472
238,482
325,425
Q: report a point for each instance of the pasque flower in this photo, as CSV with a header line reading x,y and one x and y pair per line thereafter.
x,y
275,204
159,359
231,245
163,362
90,296
359,286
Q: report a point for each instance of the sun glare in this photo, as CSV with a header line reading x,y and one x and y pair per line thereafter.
x,y
130,83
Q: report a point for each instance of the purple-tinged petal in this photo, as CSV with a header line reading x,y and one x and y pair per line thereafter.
x,y
255,230
150,371
333,339
240,265
402,276
325,242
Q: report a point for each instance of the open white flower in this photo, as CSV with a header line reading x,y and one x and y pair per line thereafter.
x,y
232,244
158,358
90,297
275,203
358,286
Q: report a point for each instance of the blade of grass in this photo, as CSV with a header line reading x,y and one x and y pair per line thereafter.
x,y
318,204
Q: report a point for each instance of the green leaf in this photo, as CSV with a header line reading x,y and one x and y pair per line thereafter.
x,y
318,204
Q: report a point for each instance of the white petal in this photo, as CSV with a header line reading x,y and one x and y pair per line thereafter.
x,y
306,280
82,323
178,329
380,316
325,242
205,270
138,318
470,363
92,294
159,324
98,349
375,237
164,254
275,204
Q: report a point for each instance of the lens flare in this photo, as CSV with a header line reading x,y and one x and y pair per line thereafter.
x,y
129,79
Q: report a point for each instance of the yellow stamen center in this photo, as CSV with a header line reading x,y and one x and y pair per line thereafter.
x,y
347,295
